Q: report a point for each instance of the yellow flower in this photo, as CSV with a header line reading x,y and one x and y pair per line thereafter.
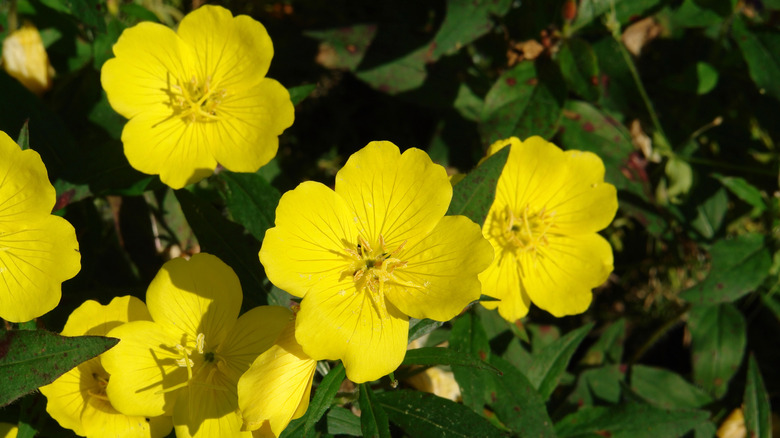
x,y
186,362
38,251
542,225
25,59
77,399
276,388
198,96
372,253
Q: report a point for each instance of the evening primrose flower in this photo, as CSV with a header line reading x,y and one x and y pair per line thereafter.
x,y
276,388
77,399
25,59
186,362
371,254
198,96
543,226
38,251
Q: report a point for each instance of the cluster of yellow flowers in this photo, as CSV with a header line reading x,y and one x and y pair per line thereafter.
x,y
364,257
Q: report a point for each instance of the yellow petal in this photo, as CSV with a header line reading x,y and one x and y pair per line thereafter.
x,y
561,278
444,267
25,190
8,430
150,59
247,135
35,258
255,332
502,280
369,337
208,412
141,365
67,396
306,248
156,142
232,51
95,319
277,386
200,295
401,197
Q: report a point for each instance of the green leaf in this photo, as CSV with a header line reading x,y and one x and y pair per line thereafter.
x,y
585,128
707,78
739,266
625,10
680,177
251,201
323,397
86,11
550,363
743,190
758,413
517,404
422,414
468,336
24,136
761,50
373,420
399,75
580,68
629,420
473,196
344,47
227,241
104,43
710,214
603,383
301,92
718,339
666,389
721,7
342,421
609,347
32,358
445,356
464,22
526,100
421,327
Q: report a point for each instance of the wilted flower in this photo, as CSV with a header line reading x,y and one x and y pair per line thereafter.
x,y
25,59
372,253
77,399
187,361
38,251
198,96
543,226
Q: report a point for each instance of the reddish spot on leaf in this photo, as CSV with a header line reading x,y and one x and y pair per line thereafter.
x,y
623,368
588,127
604,433
580,403
351,48
612,121
493,396
482,355
719,286
384,88
718,381
594,80
516,408
544,329
5,343
532,81
64,199
511,81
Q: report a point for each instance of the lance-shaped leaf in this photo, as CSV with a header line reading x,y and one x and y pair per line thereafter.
x,y
468,336
718,340
739,265
301,92
423,414
251,201
761,50
474,194
517,404
445,356
758,414
32,358
550,363
630,420
323,398
373,420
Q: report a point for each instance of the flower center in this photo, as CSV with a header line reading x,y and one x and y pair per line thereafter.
x,y
99,383
371,268
198,363
194,101
526,231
